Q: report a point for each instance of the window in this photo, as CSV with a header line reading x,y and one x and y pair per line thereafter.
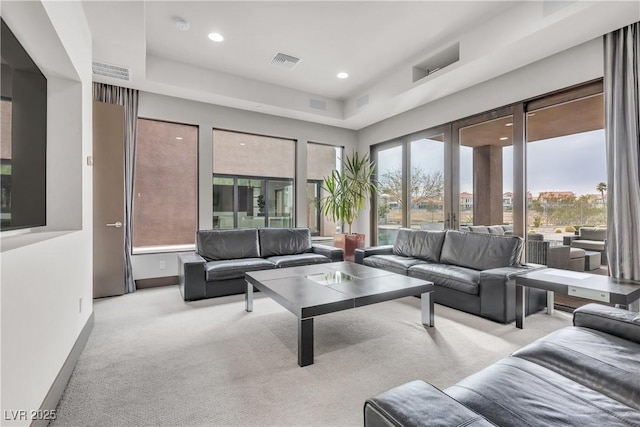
x,y
486,172
165,208
390,175
566,166
322,160
253,181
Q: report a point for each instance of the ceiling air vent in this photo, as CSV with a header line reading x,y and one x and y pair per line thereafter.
x,y
110,70
285,61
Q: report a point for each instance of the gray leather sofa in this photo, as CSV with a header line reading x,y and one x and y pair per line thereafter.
x,y
582,375
223,256
473,272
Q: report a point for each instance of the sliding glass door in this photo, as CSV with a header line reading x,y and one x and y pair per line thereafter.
x,y
414,185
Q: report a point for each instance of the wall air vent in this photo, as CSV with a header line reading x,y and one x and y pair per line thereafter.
x,y
283,60
436,62
112,71
362,101
318,104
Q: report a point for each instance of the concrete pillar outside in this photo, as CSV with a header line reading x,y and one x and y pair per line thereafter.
x,y
487,185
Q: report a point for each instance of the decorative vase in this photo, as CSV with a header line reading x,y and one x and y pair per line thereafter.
x,y
348,243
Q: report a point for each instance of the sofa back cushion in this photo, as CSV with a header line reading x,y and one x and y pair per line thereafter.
x,y
496,230
284,241
479,229
480,251
593,233
215,245
423,244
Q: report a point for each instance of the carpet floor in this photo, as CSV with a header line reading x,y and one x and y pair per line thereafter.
x,y
154,360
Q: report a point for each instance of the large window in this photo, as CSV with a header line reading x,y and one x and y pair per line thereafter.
x,y
390,211
539,165
165,209
486,172
253,181
322,160
566,166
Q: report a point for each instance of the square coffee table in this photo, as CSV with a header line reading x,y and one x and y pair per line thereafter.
x,y
312,290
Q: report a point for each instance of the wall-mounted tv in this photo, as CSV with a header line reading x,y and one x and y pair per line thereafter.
x,y
23,137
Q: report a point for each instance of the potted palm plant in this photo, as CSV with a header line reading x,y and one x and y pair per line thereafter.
x,y
347,192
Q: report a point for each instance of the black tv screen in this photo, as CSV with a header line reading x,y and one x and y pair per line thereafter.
x,y
23,137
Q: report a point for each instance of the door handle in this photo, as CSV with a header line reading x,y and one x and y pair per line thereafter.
x,y
117,224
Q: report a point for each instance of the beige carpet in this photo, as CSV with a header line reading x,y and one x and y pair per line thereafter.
x,y
154,360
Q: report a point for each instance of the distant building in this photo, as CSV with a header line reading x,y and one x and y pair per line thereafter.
x,y
466,200
507,200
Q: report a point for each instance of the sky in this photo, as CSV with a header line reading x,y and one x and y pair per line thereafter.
x,y
569,163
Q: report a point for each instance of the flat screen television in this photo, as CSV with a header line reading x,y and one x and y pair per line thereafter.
x,y
23,137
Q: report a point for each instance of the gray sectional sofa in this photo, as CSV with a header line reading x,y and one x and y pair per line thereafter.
x,y
582,375
223,256
473,272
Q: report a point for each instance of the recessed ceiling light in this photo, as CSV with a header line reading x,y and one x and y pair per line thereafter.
x,y
243,144
342,75
216,37
179,138
504,138
508,124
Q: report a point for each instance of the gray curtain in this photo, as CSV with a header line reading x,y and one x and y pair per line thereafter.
x,y
129,99
622,129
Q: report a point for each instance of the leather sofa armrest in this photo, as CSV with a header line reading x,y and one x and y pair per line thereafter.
x,y
331,252
615,321
509,273
362,253
497,291
419,404
191,271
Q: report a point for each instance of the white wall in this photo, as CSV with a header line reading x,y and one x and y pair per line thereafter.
x,y
45,273
570,67
208,117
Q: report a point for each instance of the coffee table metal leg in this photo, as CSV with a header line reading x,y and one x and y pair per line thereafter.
x,y
426,302
550,302
305,341
248,297
520,306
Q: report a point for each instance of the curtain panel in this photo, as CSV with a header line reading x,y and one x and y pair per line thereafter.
x,y
622,130
128,98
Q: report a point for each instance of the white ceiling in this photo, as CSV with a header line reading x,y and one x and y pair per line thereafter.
x,y
376,42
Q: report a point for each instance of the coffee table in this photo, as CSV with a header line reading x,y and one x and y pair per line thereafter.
x,y
595,287
314,290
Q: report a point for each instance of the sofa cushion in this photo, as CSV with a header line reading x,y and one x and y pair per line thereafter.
x,y
423,244
598,360
516,392
234,268
216,245
480,251
593,233
395,263
478,229
450,276
284,241
496,230
589,245
282,261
